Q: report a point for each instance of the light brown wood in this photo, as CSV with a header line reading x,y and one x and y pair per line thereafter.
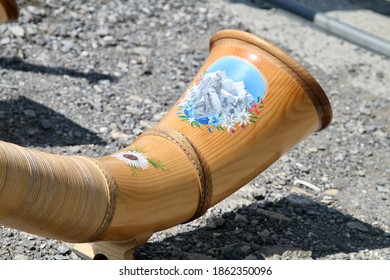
x,y
8,11
248,105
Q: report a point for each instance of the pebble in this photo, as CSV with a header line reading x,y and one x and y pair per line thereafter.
x,y
17,30
264,234
302,167
272,215
20,257
30,113
109,41
259,193
46,124
216,222
240,219
330,192
29,245
300,191
62,249
358,226
134,110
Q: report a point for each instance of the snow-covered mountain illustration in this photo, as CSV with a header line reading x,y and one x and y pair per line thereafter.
x,y
217,94
218,102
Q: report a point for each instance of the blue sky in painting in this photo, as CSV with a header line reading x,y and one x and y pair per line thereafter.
x,y
237,69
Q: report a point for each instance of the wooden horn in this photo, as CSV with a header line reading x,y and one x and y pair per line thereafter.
x,y
8,11
248,105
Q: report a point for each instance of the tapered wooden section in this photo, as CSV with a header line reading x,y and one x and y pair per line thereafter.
x,y
249,104
67,198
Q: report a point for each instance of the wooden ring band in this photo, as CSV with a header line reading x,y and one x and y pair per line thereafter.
x,y
196,158
112,191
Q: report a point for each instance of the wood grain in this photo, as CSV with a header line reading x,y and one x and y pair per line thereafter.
x,y
8,11
164,179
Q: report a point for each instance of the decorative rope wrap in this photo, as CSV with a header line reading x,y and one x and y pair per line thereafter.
x,y
196,158
70,198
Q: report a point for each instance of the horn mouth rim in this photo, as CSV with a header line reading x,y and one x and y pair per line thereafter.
x,y
11,9
317,94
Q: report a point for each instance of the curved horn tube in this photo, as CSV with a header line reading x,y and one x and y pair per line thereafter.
x,y
249,104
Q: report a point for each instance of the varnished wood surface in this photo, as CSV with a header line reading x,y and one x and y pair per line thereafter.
x,y
155,182
8,10
315,92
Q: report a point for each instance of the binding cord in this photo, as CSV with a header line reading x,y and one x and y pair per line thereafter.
x,y
199,163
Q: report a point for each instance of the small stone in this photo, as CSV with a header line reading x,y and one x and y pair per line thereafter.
x,y
67,46
358,226
5,41
29,245
331,192
137,131
251,257
46,124
245,249
109,41
272,215
312,149
259,193
240,219
159,116
73,256
35,11
136,98
284,241
60,258
382,189
17,30
74,149
146,124
134,110
197,256
20,257
300,191
361,173
63,249
302,167
216,222
118,135
297,254
30,113
252,208
264,234
277,252
341,256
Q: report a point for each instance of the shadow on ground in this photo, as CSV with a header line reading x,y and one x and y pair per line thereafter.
x,y
27,123
294,227
378,6
17,64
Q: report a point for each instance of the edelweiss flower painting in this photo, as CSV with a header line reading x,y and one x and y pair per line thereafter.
x,y
228,96
134,159
137,159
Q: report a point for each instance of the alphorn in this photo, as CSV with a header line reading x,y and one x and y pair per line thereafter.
x,y
249,104
8,11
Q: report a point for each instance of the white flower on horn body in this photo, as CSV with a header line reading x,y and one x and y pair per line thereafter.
x,y
134,159
244,118
229,122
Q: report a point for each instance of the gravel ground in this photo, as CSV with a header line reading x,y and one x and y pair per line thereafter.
x,y
86,78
